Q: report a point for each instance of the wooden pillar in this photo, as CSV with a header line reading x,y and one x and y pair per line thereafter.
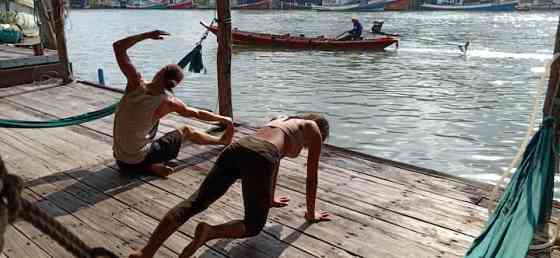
x,y
550,107
58,16
46,26
224,58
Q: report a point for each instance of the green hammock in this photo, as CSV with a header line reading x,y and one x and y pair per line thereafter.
x,y
525,205
194,57
68,121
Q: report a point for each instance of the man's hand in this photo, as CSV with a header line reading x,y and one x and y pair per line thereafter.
x,y
156,34
280,202
317,217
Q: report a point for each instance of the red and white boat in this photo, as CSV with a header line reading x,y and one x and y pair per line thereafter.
x,y
302,42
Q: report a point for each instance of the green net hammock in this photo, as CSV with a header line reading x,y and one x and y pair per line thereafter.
x,y
526,203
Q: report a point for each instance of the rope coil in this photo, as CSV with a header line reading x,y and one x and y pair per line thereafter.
x,y
13,206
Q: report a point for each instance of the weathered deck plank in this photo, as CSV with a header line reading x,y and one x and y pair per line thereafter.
x,y
381,208
11,57
18,245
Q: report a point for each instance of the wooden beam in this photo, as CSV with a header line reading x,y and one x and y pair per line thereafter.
x,y
29,74
58,16
224,58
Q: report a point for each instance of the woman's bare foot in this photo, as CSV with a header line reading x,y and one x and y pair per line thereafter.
x,y
160,170
200,237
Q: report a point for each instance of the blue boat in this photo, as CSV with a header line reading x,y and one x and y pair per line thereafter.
x,y
481,6
361,5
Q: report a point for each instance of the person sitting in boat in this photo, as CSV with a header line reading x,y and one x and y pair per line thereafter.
x,y
356,32
141,107
255,160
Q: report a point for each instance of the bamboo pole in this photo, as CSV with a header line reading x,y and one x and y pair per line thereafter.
x,y
224,58
58,16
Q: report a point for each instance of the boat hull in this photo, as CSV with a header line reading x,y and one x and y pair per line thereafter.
x,y
508,6
259,5
320,43
376,5
182,5
149,6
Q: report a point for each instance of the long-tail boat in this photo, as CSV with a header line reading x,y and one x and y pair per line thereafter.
x,y
186,4
302,42
254,5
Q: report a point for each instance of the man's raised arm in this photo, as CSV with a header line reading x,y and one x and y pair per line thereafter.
x,y
121,46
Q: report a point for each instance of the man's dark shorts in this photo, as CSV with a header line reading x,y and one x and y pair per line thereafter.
x,y
163,149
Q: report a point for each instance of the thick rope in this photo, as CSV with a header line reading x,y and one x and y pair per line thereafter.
x,y
540,87
12,206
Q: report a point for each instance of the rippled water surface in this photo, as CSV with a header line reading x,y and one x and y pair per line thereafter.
x,y
424,103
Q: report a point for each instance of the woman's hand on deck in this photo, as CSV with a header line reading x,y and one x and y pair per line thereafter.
x,y
280,202
319,216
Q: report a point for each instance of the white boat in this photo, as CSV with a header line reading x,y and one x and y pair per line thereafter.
x,y
459,6
364,5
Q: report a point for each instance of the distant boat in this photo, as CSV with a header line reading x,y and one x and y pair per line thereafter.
x,y
301,42
186,4
524,7
363,5
78,4
292,4
537,6
256,5
450,6
146,5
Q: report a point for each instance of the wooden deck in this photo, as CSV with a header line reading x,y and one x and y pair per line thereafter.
x,y
11,57
19,66
380,208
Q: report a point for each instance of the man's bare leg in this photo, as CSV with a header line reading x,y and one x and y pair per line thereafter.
x,y
160,169
205,233
166,227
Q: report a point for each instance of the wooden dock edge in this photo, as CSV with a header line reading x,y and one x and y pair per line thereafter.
x,y
30,74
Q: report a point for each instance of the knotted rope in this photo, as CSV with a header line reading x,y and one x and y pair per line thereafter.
x,y
13,206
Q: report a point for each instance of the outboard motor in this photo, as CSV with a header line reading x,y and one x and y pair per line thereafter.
x,y
376,28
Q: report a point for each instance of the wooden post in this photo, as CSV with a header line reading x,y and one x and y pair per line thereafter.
x,y
48,37
550,107
58,16
224,58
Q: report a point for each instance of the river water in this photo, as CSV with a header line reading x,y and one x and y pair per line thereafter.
x,y
424,103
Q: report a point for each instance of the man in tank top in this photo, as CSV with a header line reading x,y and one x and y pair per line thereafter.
x,y
143,104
